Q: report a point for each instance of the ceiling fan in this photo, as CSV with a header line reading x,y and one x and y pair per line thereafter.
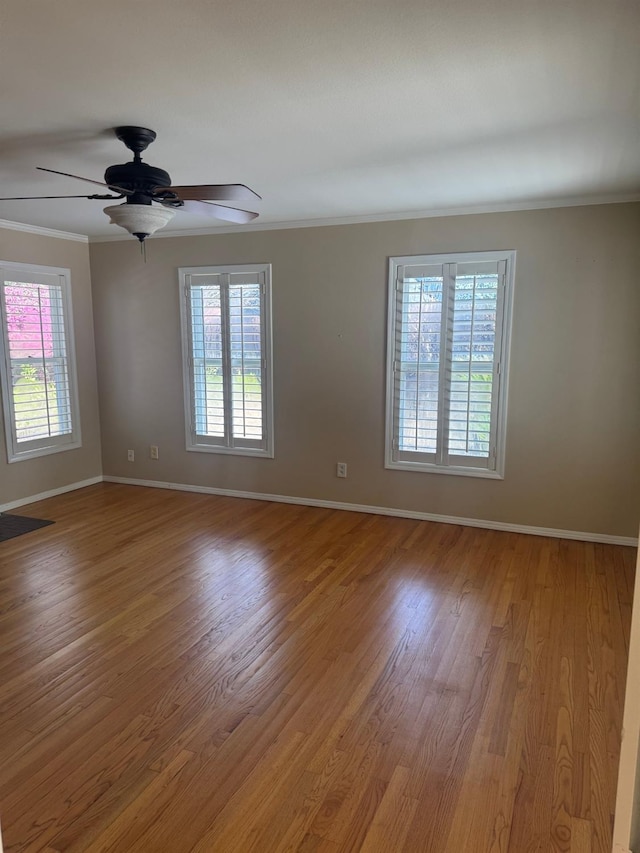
x,y
151,199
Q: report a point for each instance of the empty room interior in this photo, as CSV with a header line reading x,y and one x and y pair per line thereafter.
x,y
319,453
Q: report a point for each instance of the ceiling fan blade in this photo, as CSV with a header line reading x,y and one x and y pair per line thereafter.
x,y
213,192
120,190
217,211
39,197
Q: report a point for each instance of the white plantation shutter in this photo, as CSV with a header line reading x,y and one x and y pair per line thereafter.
x,y
448,340
420,304
207,357
246,356
227,346
38,369
474,379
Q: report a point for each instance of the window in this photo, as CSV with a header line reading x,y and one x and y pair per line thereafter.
x,y
226,333
448,343
37,364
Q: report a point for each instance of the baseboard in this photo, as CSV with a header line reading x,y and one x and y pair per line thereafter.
x,y
581,536
620,848
50,494
381,510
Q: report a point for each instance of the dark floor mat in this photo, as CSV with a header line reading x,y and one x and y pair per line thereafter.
x,y
15,525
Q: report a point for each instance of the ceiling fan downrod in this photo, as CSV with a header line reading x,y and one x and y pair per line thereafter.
x,y
150,198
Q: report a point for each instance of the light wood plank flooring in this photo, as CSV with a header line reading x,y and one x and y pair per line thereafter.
x,y
191,673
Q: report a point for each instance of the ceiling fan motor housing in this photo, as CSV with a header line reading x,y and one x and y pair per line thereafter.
x,y
140,178
143,185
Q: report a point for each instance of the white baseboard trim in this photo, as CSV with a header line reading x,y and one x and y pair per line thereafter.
x,y
50,494
381,510
620,848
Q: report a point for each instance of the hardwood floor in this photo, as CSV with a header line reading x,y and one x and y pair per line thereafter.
x,y
182,672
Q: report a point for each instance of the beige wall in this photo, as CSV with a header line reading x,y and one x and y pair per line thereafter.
x,y
33,476
573,460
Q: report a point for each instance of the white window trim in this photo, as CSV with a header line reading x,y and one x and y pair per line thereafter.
x,y
19,451
192,444
497,472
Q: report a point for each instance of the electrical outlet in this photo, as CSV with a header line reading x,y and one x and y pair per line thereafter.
x,y
153,451
341,469
131,456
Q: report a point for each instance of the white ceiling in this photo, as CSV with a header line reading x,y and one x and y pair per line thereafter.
x,y
327,108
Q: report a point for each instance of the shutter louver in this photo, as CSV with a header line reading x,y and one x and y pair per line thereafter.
x,y
225,324
246,359
38,370
207,360
475,303
446,342
418,339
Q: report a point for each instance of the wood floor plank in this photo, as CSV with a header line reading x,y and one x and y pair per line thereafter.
x,y
393,816
194,673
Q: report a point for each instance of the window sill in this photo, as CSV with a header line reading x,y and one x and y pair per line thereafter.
x,y
231,451
457,471
33,453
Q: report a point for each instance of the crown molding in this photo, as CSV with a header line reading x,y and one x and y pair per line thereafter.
x,y
43,232
582,201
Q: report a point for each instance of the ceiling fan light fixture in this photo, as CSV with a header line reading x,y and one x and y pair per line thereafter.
x,y
141,220
142,185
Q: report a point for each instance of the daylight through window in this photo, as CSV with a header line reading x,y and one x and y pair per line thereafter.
x,y
226,338
38,374
447,362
